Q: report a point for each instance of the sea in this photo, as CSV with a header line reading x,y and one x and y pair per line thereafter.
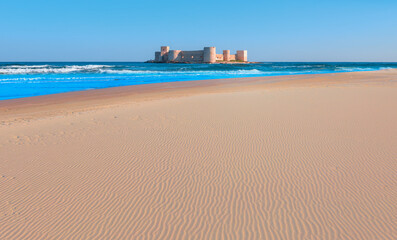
x,y
27,79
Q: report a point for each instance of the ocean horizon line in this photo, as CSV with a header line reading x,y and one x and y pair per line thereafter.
x,y
197,63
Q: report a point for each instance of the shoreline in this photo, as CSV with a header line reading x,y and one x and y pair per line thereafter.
x,y
52,104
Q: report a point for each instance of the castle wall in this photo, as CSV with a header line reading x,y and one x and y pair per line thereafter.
x,y
219,57
192,56
186,56
232,57
157,57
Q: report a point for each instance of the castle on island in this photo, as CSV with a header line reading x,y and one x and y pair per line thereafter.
x,y
207,55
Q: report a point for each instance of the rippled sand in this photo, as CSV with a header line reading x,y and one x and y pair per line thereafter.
x,y
296,157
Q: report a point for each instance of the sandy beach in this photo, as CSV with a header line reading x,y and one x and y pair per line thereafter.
x,y
286,157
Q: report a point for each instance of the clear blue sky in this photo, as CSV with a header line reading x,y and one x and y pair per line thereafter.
x,y
131,30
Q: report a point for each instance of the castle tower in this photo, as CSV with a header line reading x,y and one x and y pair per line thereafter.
x,y
209,55
172,55
164,53
165,49
226,55
241,55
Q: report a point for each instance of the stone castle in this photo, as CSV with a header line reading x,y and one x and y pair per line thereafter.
x,y
207,55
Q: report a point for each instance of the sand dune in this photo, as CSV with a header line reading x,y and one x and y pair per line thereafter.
x,y
314,158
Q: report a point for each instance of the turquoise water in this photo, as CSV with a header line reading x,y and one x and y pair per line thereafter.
x,y
19,80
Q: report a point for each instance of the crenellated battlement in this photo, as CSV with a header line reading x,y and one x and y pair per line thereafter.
x,y
207,55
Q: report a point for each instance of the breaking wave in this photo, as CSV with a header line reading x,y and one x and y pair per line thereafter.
x,y
40,69
198,72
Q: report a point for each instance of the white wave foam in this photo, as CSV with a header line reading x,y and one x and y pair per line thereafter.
x,y
35,69
42,69
127,71
352,69
26,66
142,72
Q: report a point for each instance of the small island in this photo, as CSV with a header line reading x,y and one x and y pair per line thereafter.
x,y
207,55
